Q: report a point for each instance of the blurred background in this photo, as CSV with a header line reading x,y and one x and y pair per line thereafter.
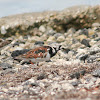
x,y
10,7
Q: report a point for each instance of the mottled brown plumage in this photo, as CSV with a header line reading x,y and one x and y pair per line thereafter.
x,y
38,54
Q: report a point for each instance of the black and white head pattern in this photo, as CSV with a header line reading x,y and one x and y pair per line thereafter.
x,y
54,50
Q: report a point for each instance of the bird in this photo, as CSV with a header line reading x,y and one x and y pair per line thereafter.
x,y
36,55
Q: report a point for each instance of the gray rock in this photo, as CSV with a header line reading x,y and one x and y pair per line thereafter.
x,y
90,79
51,39
42,28
39,43
96,25
97,39
93,58
84,31
41,76
83,57
30,82
89,85
5,66
96,73
74,83
94,35
7,71
74,41
57,35
71,31
96,50
56,85
3,30
50,32
67,86
85,42
61,39
78,74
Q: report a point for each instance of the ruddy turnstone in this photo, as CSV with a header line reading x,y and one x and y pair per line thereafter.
x,y
43,53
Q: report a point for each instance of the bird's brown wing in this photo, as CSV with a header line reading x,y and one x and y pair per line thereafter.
x,y
39,52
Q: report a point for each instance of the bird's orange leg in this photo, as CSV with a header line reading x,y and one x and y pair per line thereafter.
x,y
31,62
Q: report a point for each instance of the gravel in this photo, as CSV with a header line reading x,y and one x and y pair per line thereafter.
x,y
73,73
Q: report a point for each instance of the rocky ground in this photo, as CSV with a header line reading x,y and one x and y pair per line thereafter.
x,y
73,74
